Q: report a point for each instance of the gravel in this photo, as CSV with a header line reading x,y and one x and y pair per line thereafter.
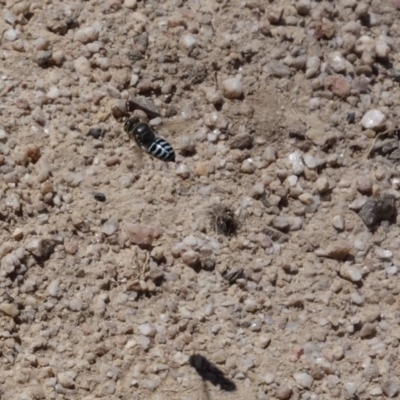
x,y
115,282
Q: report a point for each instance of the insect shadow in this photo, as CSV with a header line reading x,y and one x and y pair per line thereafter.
x,y
210,372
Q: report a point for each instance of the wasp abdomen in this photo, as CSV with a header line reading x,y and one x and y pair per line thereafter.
x,y
162,150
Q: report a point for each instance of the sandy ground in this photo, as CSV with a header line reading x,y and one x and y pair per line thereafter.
x,y
263,263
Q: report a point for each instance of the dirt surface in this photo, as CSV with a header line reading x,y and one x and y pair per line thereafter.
x,y
118,277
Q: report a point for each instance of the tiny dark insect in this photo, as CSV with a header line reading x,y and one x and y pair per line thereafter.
x,y
100,196
145,137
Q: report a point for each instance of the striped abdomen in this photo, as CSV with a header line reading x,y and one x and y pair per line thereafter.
x,y
162,150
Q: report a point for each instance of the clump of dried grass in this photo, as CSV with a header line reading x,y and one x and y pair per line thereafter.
x,y
222,219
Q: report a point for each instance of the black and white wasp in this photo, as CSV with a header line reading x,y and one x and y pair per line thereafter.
x,y
146,138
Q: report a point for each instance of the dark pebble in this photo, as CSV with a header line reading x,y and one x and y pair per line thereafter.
x,y
97,132
376,210
351,117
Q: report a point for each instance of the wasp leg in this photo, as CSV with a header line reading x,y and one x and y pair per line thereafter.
x,y
138,155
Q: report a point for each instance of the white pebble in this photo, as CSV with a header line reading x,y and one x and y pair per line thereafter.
x,y
383,254
357,299
183,171
365,43
314,103
41,43
209,309
338,222
322,184
188,42
214,96
232,88
110,226
350,273
53,288
147,330
144,342
295,159
86,35
310,161
390,387
257,190
373,119
19,45
382,48
53,93
392,270
181,358
131,4
11,34
350,389
312,66
269,378
248,166
10,17
82,66
191,241
337,61
304,380
292,180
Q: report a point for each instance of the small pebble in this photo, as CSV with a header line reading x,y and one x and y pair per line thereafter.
x,y
11,34
9,309
248,166
65,380
390,387
303,7
350,389
183,171
242,141
54,288
147,330
269,378
338,222
191,258
350,273
142,235
310,161
188,42
296,160
382,48
337,61
364,184
367,330
322,184
284,393
304,380
96,133
86,35
338,85
82,66
110,227
373,119
131,4
312,66
144,342
232,88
